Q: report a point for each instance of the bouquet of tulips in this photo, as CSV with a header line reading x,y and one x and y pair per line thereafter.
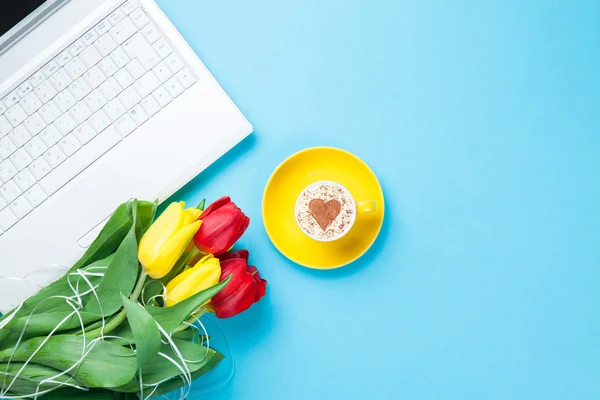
x,y
120,323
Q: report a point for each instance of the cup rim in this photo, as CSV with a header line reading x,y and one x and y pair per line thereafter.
x,y
353,214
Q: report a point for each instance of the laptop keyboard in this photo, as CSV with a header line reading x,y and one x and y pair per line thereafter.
x,y
82,103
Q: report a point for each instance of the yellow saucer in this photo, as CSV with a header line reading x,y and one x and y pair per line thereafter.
x,y
296,173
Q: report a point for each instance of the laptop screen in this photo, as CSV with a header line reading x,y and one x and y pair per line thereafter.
x,y
13,11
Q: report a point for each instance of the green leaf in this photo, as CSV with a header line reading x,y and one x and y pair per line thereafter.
x,y
109,238
160,368
105,365
30,379
169,318
120,276
145,331
43,324
201,205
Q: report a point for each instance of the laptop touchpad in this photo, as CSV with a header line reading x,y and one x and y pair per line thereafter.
x,y
91,202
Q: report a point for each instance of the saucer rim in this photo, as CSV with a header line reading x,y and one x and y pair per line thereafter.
x,y
307,150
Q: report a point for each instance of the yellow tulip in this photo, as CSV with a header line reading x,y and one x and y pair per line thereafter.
x,y
165,241
204,274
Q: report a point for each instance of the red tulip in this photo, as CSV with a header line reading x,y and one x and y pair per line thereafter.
x,y
245,288
223,223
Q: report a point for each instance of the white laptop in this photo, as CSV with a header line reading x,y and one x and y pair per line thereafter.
x,y
100,101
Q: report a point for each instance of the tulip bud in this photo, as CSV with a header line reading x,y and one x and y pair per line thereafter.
x,y
166,239
223,223
204,274
244,289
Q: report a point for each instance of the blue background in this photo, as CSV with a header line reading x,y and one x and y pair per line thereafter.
x,y
481,120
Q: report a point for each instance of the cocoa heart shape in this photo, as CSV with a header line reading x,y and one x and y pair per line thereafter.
x,y
324,213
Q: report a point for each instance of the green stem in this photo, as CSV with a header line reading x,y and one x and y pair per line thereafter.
x,y
120,317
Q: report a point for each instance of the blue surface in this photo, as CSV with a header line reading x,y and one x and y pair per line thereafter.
x,y
481,120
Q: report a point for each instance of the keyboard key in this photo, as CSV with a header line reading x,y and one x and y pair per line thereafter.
x,y
77,47
116,16
50,68
84,132
136,69
162,48
79,89
60,80
94,77
90,37
150,105
37,78
103,27
80,160
110,89
129,98
7,219
20,159
63,58
138,114
3,205
139,18
10,191
35,196
49,112
105,44
108,67
15,115
146,84
45,92
54,156
40,168
75,68
128,7
24,89
174,63
123,30
151,33
124,78
120,57
5,126
2,108
162,72
35,147
65,124
11,99
162,96
50,136
20,207
65,100
24,180
90,56
186,77
95,100
7,147
125,125
30,103
138,47
174,87
69,145
80,112
7,171
19,136
114,109
34,124
99,121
